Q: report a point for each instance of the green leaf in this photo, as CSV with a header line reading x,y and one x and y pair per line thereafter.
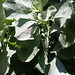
x,y
3,0
29,48
43,2
18,9
67,53
1,16
5,55
13,46
57,68
55,2
54,28
9,55
66,37
3,60
48,13
67,40
64,12
2,33
73,15
27,54
41,62
65,46
68,33
39,4
24,29
9,21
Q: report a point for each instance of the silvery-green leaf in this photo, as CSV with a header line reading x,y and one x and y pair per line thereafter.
x,y
48,13
1,35
67,36
9,55
22,30
18,9
67,40
29,48
57,68
27,3
5,55
64,12
27,34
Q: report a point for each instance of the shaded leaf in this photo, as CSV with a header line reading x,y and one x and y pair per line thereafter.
x,y
43,2
67,53
2,33
1,16
65,47
5,55
3,60
41,62
57,68
9,55
29,47
9,21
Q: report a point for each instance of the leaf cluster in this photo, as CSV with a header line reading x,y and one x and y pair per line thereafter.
x,y
37,37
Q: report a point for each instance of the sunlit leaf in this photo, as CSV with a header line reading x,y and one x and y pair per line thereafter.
x,y
5,55
18,9
29,47
64,12
23,29
48,13
57,68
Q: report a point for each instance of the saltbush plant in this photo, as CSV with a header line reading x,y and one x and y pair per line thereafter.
x,y
37,37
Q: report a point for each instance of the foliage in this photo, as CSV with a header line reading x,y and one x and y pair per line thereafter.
x,y
37,37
